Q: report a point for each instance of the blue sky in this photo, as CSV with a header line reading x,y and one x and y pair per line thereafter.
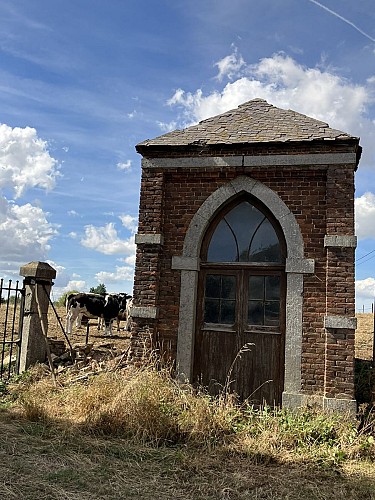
x,y
83,81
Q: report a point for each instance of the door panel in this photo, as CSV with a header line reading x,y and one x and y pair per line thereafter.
x,y
261,370
256,317
213,355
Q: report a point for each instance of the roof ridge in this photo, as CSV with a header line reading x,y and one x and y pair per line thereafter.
x,y
254,121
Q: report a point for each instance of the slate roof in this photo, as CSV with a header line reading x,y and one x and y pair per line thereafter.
x,y
255,121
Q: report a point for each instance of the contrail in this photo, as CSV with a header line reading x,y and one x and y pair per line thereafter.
x,y
343,19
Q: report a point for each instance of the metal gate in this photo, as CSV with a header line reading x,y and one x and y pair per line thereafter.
x,y
12,300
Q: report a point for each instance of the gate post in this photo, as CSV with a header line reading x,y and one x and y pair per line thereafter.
x,y
33,345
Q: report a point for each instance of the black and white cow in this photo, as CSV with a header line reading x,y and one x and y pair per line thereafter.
x,y
125,315
94,305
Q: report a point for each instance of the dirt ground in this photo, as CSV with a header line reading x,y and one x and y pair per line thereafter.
x,y
119,340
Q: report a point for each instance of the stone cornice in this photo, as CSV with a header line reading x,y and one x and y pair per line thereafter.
x,y
314,159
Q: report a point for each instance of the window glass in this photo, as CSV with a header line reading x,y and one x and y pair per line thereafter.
x,y
244,234
223,245
272,313
272,287
220,299
227,313
264,300
211,310
255,312
256,287
213,286
265,245
243,221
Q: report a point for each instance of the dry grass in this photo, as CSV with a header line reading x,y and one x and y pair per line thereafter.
x,y
137,433
37,463
40,463
364,336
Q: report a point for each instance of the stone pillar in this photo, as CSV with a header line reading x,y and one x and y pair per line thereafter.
x,y
149,241
38,282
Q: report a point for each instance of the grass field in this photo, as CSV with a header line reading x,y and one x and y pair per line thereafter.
x,y
39,462
136,434
364,336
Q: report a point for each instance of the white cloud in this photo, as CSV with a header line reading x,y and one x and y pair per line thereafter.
x,y
58,291
283,82
366,287
64,282
72,213
167,127
365,216
121,274
365,293
106,240
130,260
25,161
129,222
24,228
61,275
230,66
25,232
126,166
79,285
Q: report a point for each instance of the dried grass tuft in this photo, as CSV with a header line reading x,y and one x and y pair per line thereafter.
x,y
147,405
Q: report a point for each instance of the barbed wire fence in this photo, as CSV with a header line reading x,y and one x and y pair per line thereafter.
x,y
365,309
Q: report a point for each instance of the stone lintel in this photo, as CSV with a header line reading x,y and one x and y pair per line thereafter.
x,y
301,266
185,263
149,239
339,322
147,312
340,241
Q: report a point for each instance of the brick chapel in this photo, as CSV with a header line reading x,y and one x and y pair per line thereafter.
x,y
245,256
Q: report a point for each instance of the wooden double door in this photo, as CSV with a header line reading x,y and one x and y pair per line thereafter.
x,y
240,332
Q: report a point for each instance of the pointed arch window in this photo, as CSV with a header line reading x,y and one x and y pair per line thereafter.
x,y
245,234
243,260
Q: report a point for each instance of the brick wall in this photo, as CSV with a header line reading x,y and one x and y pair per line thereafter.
x,y
322,200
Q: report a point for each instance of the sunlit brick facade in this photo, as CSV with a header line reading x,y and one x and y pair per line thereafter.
x,y
302,171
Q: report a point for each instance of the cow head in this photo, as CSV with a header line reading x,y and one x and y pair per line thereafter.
x,y
122,299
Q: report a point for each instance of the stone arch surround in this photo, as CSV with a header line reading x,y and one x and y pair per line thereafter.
x,y
296,266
